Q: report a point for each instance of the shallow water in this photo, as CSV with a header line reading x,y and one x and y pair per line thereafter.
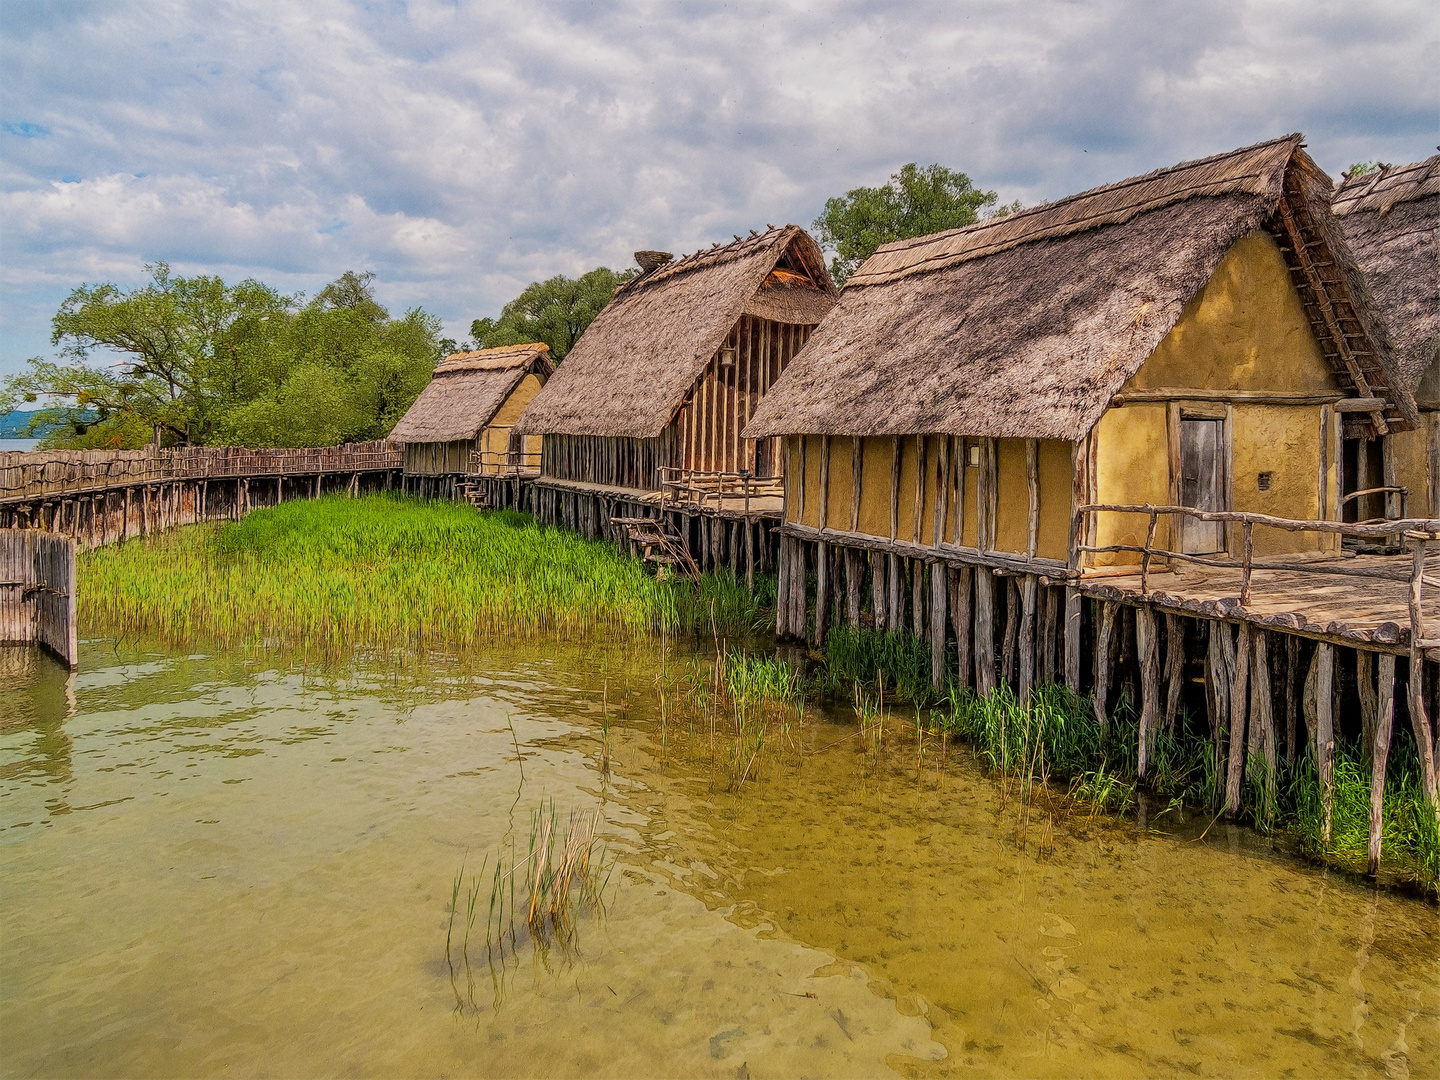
x,y
212,865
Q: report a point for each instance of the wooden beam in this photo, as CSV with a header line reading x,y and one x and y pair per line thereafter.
x,y
962,618
1323,670
878,592
782,590
857,472
804,468
1104,640
822,591
985,632
895,488
1010,643
982,498
1174,668
824,481
917,598
942,490
1032,486
1260,740
1073,615
1239,697
1147,645
1029,591
938,573
1178,394
854,577
917,534
1379,755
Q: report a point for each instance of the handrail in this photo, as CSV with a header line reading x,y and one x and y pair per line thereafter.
x,y
1421,530
696,487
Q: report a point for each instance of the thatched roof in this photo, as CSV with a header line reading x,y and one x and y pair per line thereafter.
x,y
467,390
1026,326
634,366
1391,218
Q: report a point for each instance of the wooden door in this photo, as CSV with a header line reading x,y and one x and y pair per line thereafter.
x,y
1202,484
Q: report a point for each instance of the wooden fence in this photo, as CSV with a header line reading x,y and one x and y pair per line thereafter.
x,y
36,474
37,591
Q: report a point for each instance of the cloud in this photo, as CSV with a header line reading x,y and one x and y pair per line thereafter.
x,y
462,150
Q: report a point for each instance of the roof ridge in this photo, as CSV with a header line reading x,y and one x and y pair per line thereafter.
x,y
711,256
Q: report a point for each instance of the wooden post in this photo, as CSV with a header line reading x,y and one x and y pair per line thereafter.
x,y
937,573
799,587
1419,720
1322,670
984,631
822,590
1049,620
824,482
1174,668
1147,645
878,591
1379,754
961,616
1292,669
895,608
1011,641
1240,677
857,475
749,553
1104,639
854,575
1369,700
1029,587
894,488
917,598
782,590
1260,744
1073,617
1032,484
918,524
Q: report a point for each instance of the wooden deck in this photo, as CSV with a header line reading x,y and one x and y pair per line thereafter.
x,y
731,507
1347,607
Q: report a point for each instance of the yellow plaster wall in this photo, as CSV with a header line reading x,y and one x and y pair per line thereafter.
x,y
813,492
842,469
970,478
1246,330
1057,476
1284,441
1132,465
1411,451
908,462
875,488
1012,508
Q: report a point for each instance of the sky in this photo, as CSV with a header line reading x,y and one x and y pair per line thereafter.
x,y
462,150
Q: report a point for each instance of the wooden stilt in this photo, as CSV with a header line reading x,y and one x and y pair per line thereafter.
x,y
1322,669
749,555
799,589
782,590
1147,646
895,605
1049,603
878,592
822,592
917,598
937,573
1260,745
854,579
1104,639
1029,592
1174,668
1239,698
1369,701
961,616
1292,669
1073,620
984,631
1379,755
1011,641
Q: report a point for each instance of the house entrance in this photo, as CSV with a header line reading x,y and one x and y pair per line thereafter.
x,y
1202,484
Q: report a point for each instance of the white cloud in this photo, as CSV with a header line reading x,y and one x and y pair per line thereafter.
x,y
462,150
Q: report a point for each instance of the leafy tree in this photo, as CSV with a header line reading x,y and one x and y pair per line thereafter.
x,y
203,362
555,311
1363,168
917,201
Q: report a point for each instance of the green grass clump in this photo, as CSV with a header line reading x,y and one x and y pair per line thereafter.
x,y
335,574
902,661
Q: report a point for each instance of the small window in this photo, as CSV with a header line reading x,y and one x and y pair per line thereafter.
x,y
1262,481
975,457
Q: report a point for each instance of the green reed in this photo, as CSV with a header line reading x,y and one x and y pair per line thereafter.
x,y
380,574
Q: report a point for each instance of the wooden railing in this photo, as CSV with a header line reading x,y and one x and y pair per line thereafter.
x,y
698,487
36,474
507,462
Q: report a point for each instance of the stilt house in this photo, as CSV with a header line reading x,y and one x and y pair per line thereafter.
x,y
1391,219
667,376
463,421
1119,395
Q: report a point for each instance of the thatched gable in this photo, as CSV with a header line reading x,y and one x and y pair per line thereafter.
x,y
635,365
467,390
1391,218
1026,326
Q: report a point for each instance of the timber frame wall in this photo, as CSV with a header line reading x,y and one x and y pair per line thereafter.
x,y
704,435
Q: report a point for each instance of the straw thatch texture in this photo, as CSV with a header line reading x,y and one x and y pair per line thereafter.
x,y
635,365
1391,219
1027,326
467,390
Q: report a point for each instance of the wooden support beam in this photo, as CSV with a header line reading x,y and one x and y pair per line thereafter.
x,y
1049,623
1073,626
854,579
1320,692
1369,700
1104,642
824,481
1029,586
917,536
942,490
1379,756
857,473
894,488
895,605
1032,485
1292,669
1010,643
799,588
782,589
917,598
822,591
962,618
937,573
1260,738
985,631
1239,697
1147,645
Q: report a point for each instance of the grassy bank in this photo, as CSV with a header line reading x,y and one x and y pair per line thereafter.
x,y
382,573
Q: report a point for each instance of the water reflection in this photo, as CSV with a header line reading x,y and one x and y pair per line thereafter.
x,y
231,866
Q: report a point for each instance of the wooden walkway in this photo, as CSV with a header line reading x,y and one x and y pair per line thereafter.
x,y
727,506
1349,607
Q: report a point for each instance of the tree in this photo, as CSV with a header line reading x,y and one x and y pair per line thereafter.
x,y
915,202
204,362
555,311
184,348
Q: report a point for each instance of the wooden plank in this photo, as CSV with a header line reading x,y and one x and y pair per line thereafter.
x,y
1032,485
1029,591
857,473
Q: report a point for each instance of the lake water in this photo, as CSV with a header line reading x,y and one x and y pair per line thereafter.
x,y
214,865
19,444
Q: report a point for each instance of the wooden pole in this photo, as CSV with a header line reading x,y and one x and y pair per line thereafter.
x,y
1029,587
1292,669
1011,640
1323,669
938,573
1379,755
1147,644
1174,668
877,588
822,590
1240,677
1073,624
782,590
917,598
1369,699
1419,720
1260,746
854,579
1103,642
799,587
895,608
984,631
962,616
1049,618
